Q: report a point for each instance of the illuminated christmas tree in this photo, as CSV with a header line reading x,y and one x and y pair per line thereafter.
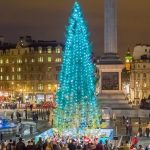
x,y
76,101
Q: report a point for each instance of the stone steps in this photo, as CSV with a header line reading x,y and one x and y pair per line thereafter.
x,y
116,106
113,100
117,96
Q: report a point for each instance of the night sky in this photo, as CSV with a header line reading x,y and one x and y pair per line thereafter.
x,y
46,20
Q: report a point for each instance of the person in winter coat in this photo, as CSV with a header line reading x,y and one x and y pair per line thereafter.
x,y
20,145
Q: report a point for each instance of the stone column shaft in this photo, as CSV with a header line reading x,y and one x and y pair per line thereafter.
x,y
110,26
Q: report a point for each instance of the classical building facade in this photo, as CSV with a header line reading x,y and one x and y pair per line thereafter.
x,y
140,73
30,70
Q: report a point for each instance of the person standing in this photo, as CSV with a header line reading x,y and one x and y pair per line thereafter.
x,y
99,146
140,147
140,131
31,129
26,115
147,132
107,146
39,145
13,146
130,130
72,146
9,145
12,116
3,147
127,128
20,145
1,136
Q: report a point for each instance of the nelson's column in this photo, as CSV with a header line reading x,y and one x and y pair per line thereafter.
x,y
110,65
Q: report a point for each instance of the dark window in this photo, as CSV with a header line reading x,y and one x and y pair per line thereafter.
x,y
57,68
144,75
31,68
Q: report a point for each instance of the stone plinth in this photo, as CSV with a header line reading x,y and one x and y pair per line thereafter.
x,y
110,78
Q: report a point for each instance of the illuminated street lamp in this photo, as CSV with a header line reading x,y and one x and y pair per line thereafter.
x,y
128,60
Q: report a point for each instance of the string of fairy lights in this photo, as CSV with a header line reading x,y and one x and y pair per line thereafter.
x,y
76,101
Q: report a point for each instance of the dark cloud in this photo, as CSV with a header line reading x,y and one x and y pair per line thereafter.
x,y
46,19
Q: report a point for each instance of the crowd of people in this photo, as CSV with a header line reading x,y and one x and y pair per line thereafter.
x,y
52,144
8,106
141,131
69,144
26,114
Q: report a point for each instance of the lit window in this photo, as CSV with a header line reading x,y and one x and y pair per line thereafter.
x,y
18,77
40,86
58,60
49,68
40,59
1,77
13,77
32,60
7,61
19,69
57,50
40,50
127,60
13,69
1,69
49,86
7,77
1,61
49,50
19,61
25,60
145,85
49,59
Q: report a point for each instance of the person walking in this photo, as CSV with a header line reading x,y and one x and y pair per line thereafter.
x,y
123,119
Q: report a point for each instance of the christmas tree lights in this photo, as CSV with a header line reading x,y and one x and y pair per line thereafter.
x,y
76,101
